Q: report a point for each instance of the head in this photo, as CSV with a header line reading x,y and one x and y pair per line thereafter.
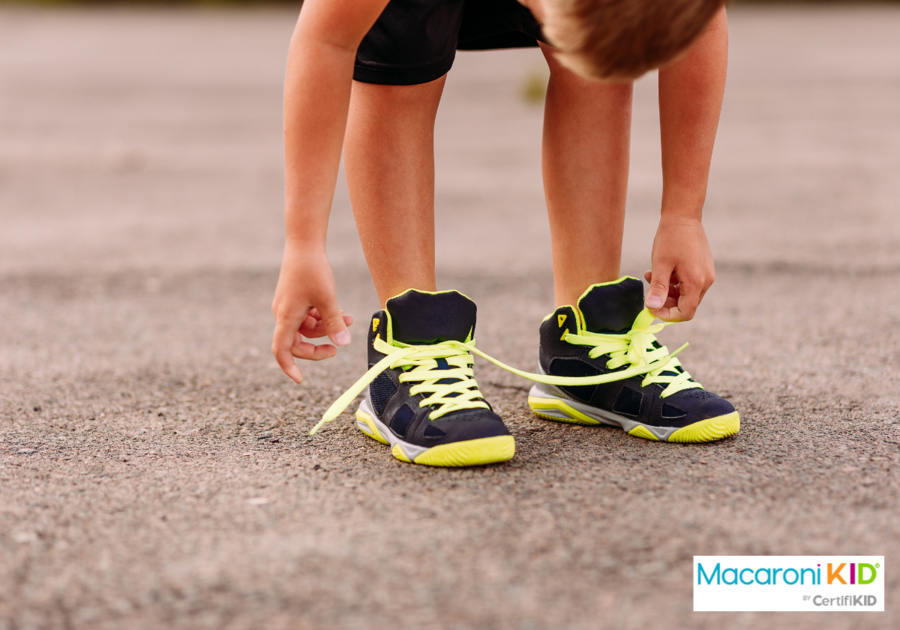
x,y
622,39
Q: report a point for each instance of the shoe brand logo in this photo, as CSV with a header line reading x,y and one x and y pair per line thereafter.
x,y
375,323
788,583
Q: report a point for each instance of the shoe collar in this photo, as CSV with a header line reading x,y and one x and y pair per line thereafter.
x,y
417,317
611,307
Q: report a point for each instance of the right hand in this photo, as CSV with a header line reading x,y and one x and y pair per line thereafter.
x,y
683,268
305,305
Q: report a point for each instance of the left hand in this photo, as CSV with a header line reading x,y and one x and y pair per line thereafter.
x,y
683,269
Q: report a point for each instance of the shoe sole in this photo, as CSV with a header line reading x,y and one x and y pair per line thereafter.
x,y
552,407
480,452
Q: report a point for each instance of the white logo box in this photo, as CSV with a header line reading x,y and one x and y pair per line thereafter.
x,y
789,583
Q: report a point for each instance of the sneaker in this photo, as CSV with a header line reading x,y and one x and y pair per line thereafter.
x,y
421,395
610,331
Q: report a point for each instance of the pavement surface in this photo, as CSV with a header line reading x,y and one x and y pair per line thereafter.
x,y
155,469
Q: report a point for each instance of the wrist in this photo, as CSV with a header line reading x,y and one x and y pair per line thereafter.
x,y
677,217
685,204
305,243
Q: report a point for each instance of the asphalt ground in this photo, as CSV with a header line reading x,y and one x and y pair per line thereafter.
x,y
155,468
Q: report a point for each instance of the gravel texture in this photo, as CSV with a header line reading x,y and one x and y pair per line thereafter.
x,y
155,468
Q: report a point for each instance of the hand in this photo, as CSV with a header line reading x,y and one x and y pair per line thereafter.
x,y
305,305
683,269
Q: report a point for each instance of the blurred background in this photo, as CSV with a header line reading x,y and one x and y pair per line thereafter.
x,y
161,127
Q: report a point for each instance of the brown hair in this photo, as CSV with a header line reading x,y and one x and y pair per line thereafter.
x,y
623,39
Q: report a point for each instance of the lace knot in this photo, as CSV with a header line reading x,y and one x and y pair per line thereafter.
x,y
639,349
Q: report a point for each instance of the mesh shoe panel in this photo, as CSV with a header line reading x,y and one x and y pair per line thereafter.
x,y
575,367
628,402
381,389
400,421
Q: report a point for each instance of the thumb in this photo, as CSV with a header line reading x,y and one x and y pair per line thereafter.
x,y
659,286
334,324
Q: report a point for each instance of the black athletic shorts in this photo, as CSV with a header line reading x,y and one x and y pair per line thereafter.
x,y
415,41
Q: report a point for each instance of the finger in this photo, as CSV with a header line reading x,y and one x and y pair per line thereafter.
x,y
686,308
706,286
671,298
313,327
669,311
309,325
689,301
314,313
333,323
312,352
300,342
674,291
659,287
281,348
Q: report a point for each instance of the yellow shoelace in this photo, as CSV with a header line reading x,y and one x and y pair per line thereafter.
x,y
420,364
639,347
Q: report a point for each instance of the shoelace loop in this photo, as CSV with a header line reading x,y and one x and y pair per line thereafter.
x,y
636,348
420,365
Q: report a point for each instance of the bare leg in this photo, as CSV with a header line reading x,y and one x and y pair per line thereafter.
x,y
587,134
389,160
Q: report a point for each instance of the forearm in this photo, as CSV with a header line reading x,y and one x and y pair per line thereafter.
x,y
690,101
314,124
316,102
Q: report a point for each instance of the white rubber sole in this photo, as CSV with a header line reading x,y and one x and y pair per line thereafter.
x,y
478,452
550,405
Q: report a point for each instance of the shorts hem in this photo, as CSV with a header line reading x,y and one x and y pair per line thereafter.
x,y
385,74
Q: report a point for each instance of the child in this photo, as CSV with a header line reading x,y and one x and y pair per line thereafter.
x,y
368,75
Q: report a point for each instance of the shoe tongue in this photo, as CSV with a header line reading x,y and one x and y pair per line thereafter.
x,y
612,307
421,318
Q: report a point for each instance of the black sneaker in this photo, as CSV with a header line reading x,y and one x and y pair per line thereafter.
x,y
422,398
610,331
